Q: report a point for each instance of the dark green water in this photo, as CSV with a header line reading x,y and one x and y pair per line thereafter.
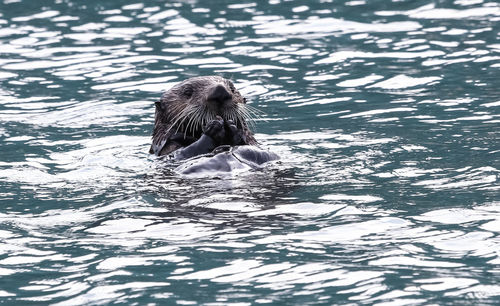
x,y
386,115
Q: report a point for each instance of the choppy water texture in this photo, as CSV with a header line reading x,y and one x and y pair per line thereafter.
x,y
385,115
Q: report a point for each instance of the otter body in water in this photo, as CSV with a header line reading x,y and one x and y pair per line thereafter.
x,y
200,115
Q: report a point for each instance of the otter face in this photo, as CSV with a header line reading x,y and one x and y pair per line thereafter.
x,y
214,95
190,105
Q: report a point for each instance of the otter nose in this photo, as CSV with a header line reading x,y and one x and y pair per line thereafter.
x,y
219,95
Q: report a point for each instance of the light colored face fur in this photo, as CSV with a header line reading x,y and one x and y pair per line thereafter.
x,y
188,106
193,103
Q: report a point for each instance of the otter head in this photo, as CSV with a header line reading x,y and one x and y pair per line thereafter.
x,y
186,108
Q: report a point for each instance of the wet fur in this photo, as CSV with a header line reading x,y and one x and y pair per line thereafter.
x,y
184,110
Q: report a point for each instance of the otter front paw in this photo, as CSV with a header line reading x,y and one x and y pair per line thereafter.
x,y
215,129
236,136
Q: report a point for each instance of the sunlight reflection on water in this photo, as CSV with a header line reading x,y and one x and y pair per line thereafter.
x,y
384,114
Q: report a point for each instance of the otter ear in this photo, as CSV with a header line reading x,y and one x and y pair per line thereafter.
x,y
159,106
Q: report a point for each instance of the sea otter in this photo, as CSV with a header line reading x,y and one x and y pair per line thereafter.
x,y
206,115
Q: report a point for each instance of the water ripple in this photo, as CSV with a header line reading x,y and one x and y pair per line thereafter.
x,y
385,115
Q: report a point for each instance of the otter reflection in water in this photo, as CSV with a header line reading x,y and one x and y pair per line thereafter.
x,y
206,117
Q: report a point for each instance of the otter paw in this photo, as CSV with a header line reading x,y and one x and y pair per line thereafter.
x,y
215,129
236,136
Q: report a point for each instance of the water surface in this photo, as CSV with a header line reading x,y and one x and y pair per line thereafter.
x,y
385,114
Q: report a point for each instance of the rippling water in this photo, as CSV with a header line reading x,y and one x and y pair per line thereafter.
x,y
385,115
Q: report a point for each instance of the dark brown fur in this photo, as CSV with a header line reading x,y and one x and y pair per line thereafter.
x,y
186,108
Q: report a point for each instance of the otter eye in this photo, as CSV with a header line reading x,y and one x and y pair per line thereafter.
x,y
231,86
187,91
